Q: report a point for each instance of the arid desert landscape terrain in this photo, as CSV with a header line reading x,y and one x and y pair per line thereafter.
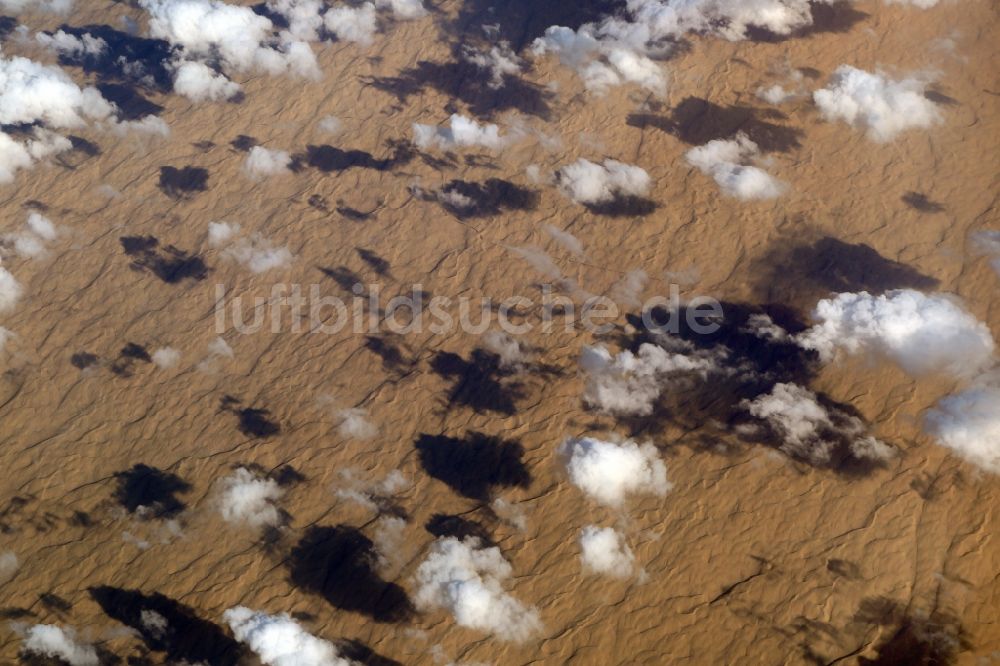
x,y
512,332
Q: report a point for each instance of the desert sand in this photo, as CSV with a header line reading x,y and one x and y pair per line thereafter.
x,y
112,463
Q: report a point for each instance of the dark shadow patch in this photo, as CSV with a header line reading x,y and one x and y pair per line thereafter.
x,y
318,201
204,146
81,519
83,360
919,201
932,640
388,351
15,613
940,98
844,569
170,264
131,104
338,563
80,151
252,422
624,206
127,358
480,382
465,82
330,159
183,183
713,405
244,143
287,476
54,602
150,491
464,199
129,59
7,25
520,22
697,121
186,637
443,525
474,465
345,278
803,272
836,17
356,651
377,263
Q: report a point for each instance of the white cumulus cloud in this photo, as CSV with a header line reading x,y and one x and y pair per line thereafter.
x,y
588,183
467,580
249,498
921,333
278,640
609,472
728,161
262,163
604,551
52,641
461,132
968,423
881,106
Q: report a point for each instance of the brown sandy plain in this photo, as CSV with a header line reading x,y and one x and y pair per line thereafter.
x,y
751,558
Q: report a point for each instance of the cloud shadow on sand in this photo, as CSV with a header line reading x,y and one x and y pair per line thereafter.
x,y
172,265
150,491
480,382
338,563
697,121
475,464
802,272
712,407
186,638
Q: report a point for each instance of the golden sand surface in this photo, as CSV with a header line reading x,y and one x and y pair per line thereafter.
x,y
751,558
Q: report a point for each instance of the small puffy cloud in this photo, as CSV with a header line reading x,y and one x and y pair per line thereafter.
x,y
278,640
881,106
248,498
500,61
255,252
64,43
32,239
629,383
8,566
922,4
304,16
609,472
10,290
149,125
329,125
601,63
166,357
510,351
200,83
921,333
588,183
467,580
354,423
604,551
218,347
461,132
566,240
31,92
403,10
988,243
372,496
49,640
775,94
220,233
352,24
628,290
968,423
811,432
53,6
262,163
728,162
236,36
